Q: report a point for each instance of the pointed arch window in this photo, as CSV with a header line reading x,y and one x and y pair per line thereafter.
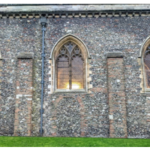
x,y
70,67
147,67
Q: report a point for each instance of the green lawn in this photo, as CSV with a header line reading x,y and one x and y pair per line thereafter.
x,y
71,142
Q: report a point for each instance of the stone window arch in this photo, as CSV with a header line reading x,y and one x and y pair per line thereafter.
x,y
70,65
145,61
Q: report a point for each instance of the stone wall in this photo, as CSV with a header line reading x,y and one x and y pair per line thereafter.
x,y
17,36
75,114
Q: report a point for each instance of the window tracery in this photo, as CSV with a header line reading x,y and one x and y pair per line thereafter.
x,y
70,67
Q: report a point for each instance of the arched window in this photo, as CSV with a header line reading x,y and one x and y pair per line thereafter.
x,y
145,55
147,67
69,66
70,70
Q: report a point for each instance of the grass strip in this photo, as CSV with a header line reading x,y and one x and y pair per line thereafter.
x,y
71,142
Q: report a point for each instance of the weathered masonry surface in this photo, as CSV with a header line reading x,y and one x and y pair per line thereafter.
x,y
116,96
22,125
114,104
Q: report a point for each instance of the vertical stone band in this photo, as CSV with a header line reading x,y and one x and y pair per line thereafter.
x,y
116,98
1,64
23,110
148,113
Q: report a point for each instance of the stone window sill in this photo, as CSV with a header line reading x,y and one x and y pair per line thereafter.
x,y
70,91
146,93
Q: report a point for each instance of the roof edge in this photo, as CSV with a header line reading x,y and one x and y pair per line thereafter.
x,y
7,8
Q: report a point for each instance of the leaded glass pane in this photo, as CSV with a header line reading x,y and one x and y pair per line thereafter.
x,y
147,67
70,67
63,73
